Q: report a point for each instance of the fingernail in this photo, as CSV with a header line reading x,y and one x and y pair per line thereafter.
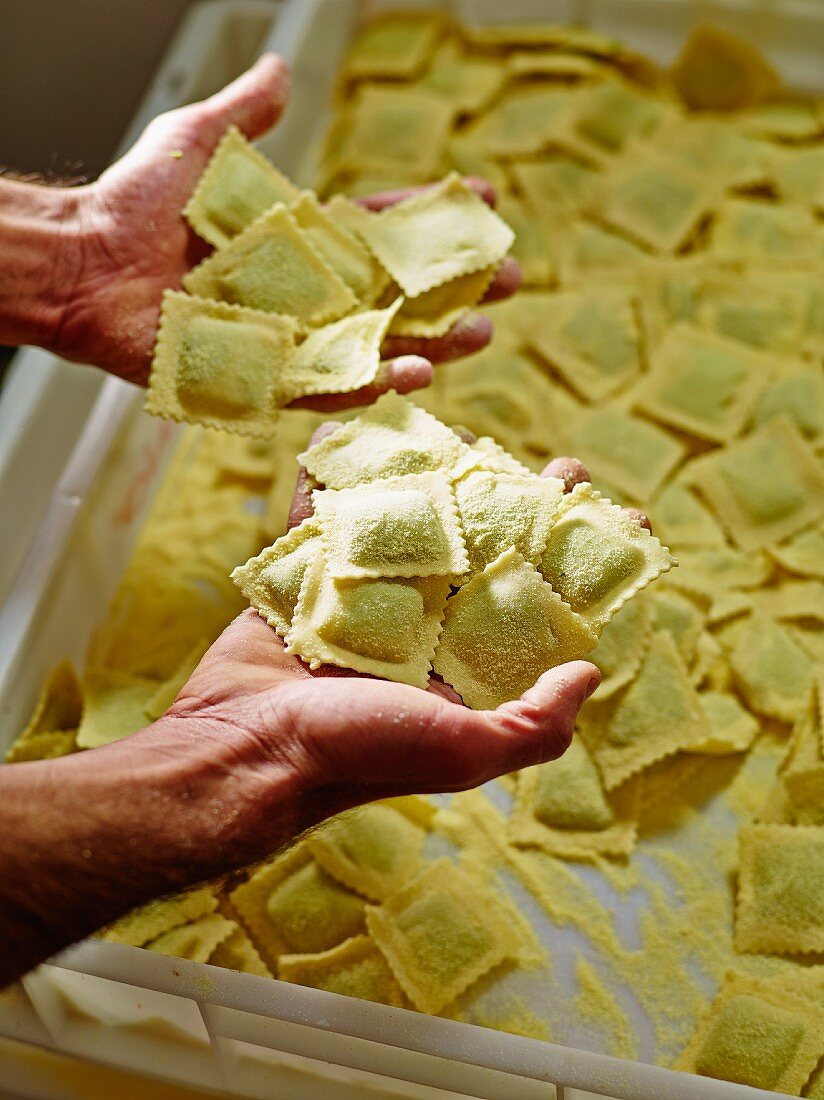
x,y
594,681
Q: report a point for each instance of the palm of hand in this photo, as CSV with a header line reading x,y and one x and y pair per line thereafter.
x,y
352,738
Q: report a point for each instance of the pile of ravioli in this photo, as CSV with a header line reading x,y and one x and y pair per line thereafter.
x,y
687,374
471,565
297,297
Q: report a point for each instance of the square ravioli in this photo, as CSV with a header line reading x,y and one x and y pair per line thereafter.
x,y
802,554
658,715
607,116
273,266
391,438
771,671
757,1033
703,384
196,941
386,626
562,808
339,246
156,917
525,121
372,849
435,311
765,233
436,235
655,200
399,527
622,645
797,393
597,556
468,84
500,510
221,366
394,45
239,183
292,905
397,129
732,728
436,944
591,338
623,450
681,519
780,907
504,629
271,581
765,487
343,356
355,968
114,706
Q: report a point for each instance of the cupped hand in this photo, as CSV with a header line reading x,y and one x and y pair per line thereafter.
x,y
131,243
352,738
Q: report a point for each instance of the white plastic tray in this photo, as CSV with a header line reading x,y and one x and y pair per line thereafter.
x,y
182,1021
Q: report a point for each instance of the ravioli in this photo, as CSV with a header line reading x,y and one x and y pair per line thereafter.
x,y
239,184
271,581
400,527
591,338
597,556
355,968
505,628
436,944
758,1034
655,200
386,626
221,365
500,510
656,716
562,808
273,267
390,439
703,384
372,849
292,905
765,487
343,356
780,906
437,235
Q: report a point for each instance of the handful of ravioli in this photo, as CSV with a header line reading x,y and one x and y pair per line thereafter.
x,y
297,297
426,553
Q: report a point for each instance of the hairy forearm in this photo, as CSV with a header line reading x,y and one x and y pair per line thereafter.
x,y
85,838
40,234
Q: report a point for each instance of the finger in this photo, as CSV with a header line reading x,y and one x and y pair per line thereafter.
x,y
383,199
404,374
507,280
465,748
254,102
302,507
569,470
640,517
467,336
541,722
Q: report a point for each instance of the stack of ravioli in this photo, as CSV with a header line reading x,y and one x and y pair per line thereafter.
x,y
671,335
297,297
471,564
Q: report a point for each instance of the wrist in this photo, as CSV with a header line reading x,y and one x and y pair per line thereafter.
x,y
86,838
41,234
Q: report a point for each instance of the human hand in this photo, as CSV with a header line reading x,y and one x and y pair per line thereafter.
x,y
351,738
133,243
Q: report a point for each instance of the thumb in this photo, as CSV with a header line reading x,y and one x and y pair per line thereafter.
x,y
468,747
253,102
539,725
